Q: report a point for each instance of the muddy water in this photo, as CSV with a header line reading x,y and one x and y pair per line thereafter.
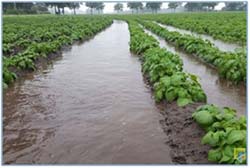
x,y
223,46
92,106
218,91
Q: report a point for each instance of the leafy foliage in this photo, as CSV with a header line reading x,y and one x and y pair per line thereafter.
x,y
139,41
182,87
231,66
225,132
159,63
164,70
226,26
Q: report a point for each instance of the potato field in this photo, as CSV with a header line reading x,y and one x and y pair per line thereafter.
x,y
125,89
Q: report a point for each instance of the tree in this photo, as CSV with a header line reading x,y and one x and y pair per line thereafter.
x,y
19,8
135,5
51,5
62,6
24,5
193,6
154,6
25,8
40,8
118,7
90,5
7,6
203,6
74,6
207,5
94,5
211,5
173,5
235,6
100,7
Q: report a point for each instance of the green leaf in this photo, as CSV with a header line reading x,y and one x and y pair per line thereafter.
x,y
182,93
203,118
227,154
170,95
211,138
158,95
229,150
234,136
225,158
217,125
183,101
214,155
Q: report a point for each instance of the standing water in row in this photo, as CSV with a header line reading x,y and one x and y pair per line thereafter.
x,y
218,91
223,46
92,106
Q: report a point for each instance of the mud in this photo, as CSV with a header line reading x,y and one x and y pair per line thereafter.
x,y
15,50
183,134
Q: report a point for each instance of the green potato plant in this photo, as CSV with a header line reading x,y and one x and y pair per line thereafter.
x,y
225,132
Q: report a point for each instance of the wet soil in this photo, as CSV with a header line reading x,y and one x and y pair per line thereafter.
x,y
183,134
15,50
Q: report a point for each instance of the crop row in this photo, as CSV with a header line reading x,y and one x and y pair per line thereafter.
x,y
225,132
24,43
230,65
164,70
227,26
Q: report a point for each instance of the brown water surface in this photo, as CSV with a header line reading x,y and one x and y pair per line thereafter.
x,y
91,106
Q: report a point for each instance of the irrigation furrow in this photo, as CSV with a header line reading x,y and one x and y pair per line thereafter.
x,y
223,46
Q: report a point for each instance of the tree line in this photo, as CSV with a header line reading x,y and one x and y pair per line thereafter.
x,y
189,6
136,7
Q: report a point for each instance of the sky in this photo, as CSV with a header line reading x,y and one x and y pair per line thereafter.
x,y
109,7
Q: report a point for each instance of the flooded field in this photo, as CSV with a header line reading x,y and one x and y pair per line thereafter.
x,y
92,87
90,106
218,91
223,46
